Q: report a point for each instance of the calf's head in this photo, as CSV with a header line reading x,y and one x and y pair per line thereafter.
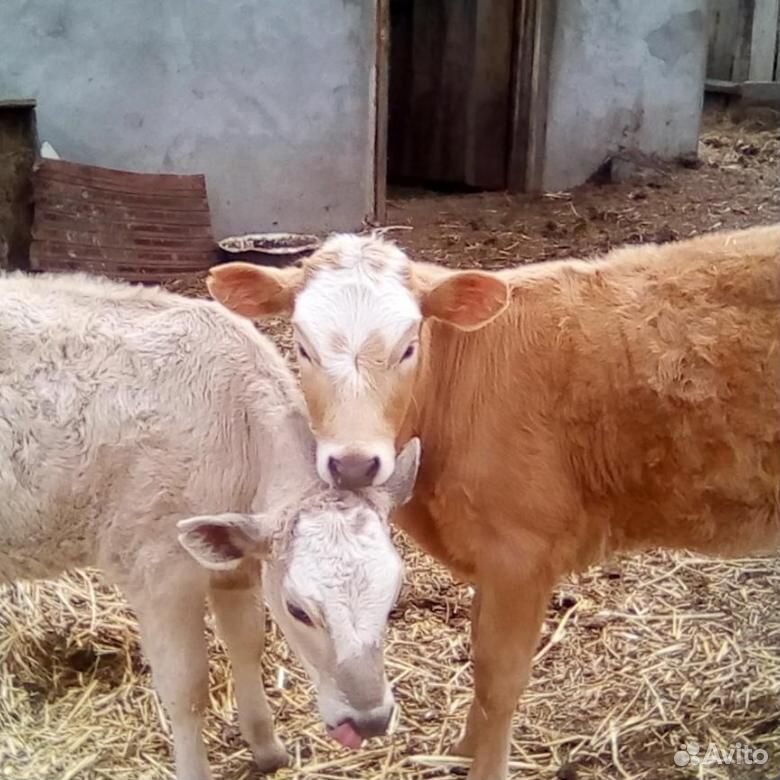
x,y
357,305
331,577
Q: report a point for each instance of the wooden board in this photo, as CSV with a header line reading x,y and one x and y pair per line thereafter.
x,y
132,226
743,40
763,45
381,108
777,50
723,87
534,31
450,76
488,102
740,70
723,18
18,143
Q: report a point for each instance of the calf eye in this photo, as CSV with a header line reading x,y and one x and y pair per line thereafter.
x,y
299,614
408,353
303,353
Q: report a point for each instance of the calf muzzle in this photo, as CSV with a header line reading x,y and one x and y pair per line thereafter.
x,y
353,471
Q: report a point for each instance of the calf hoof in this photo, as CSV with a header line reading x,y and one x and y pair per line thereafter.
x,y
271,757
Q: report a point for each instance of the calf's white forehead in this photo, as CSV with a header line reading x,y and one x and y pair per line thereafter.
x,y
362,293
350,571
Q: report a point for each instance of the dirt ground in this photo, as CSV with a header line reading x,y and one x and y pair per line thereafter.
x,y
736,183
639,658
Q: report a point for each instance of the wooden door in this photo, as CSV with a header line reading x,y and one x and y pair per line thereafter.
x,y
450,91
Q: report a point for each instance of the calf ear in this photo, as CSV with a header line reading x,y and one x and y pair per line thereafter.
x,y
253,291
400,485
221,542
466,299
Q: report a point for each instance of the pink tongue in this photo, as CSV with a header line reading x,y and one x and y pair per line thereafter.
x,y
346,735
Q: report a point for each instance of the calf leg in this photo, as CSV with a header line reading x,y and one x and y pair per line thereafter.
x,y
466,745
509,614
237,602
172,637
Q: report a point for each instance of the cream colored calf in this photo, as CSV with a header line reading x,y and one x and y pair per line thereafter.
x,y
135,424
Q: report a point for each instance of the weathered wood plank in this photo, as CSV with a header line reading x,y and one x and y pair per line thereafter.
x,y
763,41
712,22
450,70
762,93
534,29
777,50
724,87
724,20
744,36
740,68
381,98
487,123
18,143
442,55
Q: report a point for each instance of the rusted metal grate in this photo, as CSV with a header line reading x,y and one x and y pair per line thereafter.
x,y
132,226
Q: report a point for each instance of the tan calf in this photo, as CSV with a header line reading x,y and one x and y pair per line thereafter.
x,y
566,410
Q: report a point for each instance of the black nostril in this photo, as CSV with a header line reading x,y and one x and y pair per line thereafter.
x,y
373,468
334,467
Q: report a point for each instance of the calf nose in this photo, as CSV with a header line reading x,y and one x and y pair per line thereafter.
x,y
353,471
373,725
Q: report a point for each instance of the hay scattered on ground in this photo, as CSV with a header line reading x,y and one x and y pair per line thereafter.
x,y
637,658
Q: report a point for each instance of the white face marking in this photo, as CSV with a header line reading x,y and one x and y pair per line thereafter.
x,y
342,570
340,307
357,317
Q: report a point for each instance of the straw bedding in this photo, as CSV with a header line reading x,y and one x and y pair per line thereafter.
x,y
637,657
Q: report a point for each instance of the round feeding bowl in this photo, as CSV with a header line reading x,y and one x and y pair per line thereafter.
x,y
278,249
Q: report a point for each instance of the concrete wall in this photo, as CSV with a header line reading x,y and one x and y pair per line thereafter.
x,y
625,74
271,99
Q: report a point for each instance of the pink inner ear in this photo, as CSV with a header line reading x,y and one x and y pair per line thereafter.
x,y
481,297
217,538
477,294
467,300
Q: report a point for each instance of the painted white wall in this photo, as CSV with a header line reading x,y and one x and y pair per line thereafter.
x,y
625,74
271,99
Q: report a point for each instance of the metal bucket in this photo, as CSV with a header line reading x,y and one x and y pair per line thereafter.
x,y
276,249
